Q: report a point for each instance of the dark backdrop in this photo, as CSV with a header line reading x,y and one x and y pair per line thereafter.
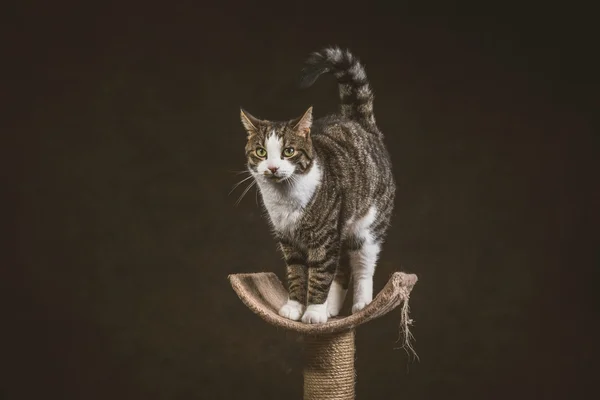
x,y
121,139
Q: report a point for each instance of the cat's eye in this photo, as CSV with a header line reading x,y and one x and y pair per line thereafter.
x,y
289,151
261,152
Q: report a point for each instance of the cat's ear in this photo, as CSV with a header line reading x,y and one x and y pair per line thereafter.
x,y
303,124
250,123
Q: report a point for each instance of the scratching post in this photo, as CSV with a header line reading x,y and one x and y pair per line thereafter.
x,y
329,366
329,348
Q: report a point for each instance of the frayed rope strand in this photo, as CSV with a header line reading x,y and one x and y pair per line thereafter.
x,y
405,322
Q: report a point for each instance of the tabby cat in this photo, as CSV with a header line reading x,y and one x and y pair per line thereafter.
x,y
328,188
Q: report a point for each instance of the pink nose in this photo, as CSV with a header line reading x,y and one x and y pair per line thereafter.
x,y
273,169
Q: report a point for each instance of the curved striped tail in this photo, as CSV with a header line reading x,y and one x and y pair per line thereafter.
x,y
355,93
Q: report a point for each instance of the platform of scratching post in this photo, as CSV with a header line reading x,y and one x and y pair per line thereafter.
x,y
329,353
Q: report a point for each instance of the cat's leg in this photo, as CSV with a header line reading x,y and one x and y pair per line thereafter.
x,y
322,264
297,277
363,259
338,289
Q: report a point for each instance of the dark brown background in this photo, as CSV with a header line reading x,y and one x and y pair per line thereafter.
x,y
121,134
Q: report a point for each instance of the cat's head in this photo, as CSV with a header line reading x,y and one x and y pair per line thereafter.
x,y
278,150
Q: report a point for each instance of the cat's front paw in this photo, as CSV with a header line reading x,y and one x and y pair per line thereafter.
x,y
292,310
315,314
359,306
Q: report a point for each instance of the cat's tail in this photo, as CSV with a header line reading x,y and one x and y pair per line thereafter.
x,y
355,93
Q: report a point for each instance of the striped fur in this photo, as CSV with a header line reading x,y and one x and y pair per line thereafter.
x,y
355,93
333,231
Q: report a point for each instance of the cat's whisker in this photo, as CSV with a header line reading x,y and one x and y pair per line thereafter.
x,y
236,172
293,180
244,192
239,183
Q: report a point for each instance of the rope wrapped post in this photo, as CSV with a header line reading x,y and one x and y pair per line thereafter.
x,y
329,352
329,366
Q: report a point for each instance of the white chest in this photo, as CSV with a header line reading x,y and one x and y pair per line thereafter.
x,y
283,214
285,201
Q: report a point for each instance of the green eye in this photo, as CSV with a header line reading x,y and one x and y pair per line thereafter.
x,y
261,152
288,152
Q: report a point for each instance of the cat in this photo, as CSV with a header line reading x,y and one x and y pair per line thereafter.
x,y
328,189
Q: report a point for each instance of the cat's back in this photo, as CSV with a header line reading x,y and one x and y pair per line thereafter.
x,y
355,165
344,144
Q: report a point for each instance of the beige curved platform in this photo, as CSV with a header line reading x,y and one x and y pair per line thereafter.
x,y
329,348
264,294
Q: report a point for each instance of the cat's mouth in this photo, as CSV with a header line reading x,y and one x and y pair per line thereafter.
x,y
276,178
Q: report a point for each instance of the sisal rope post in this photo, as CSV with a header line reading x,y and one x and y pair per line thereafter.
x,y
329,348
329,366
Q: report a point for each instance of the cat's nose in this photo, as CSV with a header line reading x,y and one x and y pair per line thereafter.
x,y
273,169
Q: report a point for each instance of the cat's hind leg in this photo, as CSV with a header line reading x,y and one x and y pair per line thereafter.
x,y
362,263
338,289
363,251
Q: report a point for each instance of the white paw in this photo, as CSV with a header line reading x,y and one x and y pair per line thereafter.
x,y
333,311
315,314
335,299
359,306
292,310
